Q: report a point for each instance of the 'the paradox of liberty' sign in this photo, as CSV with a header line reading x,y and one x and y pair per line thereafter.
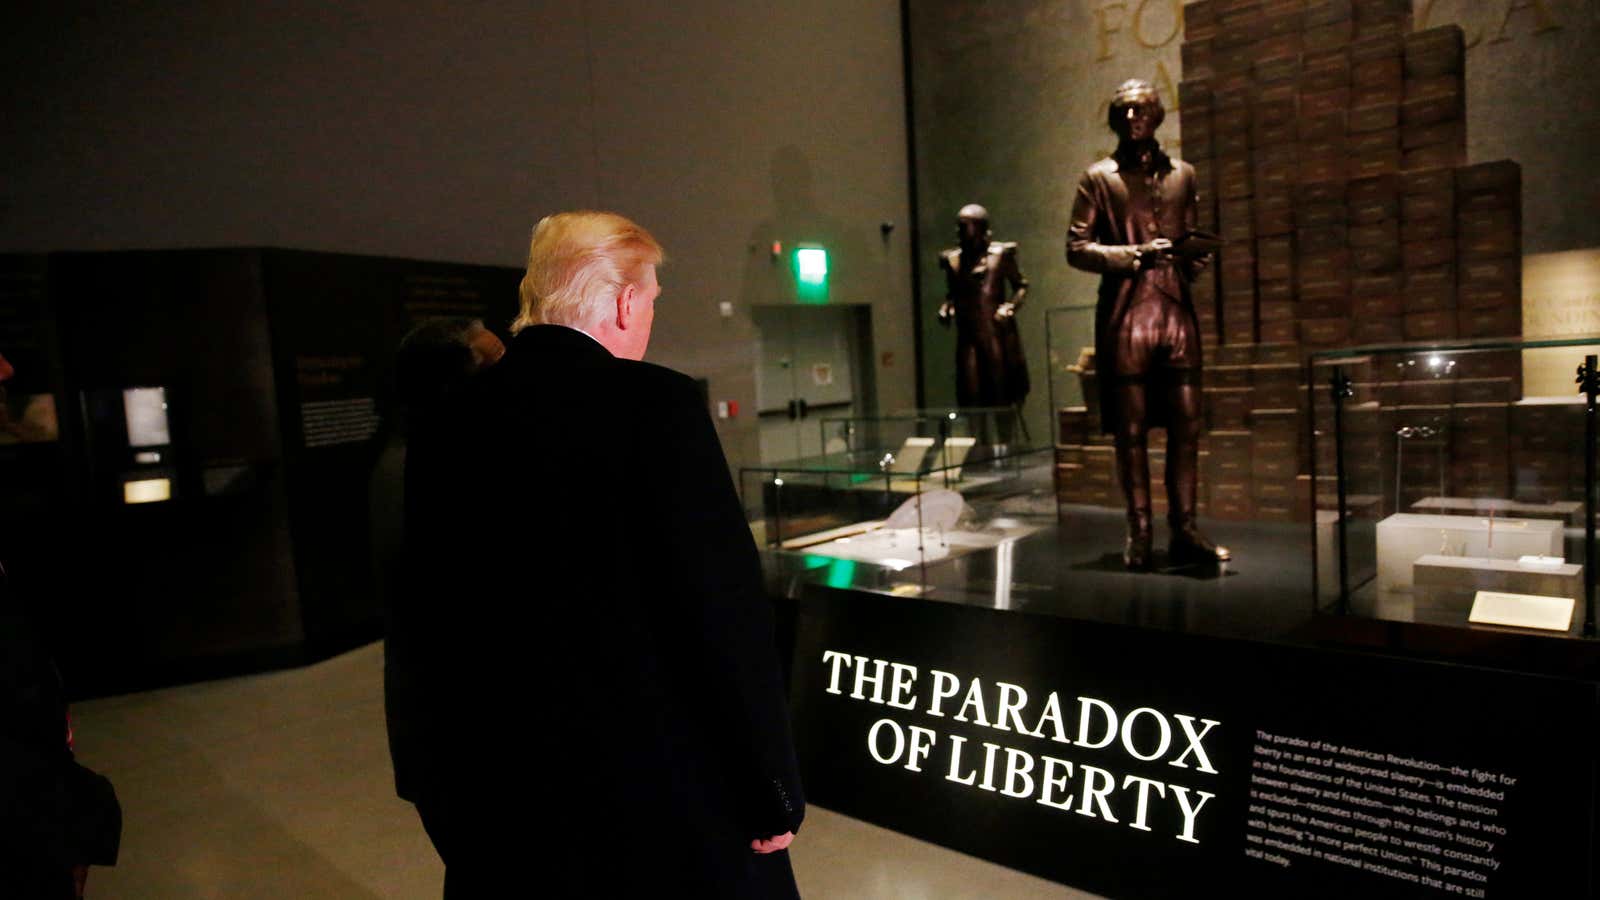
x,y
1046,770
1138,762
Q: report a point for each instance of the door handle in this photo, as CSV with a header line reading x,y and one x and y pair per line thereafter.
x,y
802,403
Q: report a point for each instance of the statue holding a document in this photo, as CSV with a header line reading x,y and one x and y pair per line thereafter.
x,y
1133,222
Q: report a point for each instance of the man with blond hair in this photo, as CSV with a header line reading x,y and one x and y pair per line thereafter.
x,y
586,611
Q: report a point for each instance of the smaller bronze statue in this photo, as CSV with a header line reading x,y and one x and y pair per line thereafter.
x,y
990,369
1134,223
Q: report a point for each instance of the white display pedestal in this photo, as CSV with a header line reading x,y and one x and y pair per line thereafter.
x,y
1465,575
1405,537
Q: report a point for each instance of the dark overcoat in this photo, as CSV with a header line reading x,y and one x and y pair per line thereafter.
x,y
583,647
990,368
1119,206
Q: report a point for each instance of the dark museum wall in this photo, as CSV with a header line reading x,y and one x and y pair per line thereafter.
x,y
1009,107
443,131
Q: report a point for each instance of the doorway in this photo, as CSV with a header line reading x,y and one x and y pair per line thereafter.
x,y
815,365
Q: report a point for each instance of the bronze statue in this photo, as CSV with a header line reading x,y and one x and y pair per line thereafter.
x,y
990,369
1132,222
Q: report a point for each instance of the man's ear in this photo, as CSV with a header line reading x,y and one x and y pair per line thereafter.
x,y
625,307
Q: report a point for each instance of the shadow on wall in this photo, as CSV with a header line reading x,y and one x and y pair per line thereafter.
x,y
771,279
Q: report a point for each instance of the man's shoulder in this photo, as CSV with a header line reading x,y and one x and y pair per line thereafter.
x,y
653,382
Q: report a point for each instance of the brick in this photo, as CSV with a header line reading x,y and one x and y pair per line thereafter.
x,y
1378,330
1427,254
1430,326
1383,234
1326,12
1325,72
1194,92
1387,284
1428,182
1376,117
1432,205
1377,258
1196,56
1275,291
1451,132
1413,230
1323,126
1330,36
1278,69
1499,176
1434,156
1323,102
1436,51
1328,332
1320,239
1430,289
1383,72
1322,169
1496,270
1376,305
1375,162
1498,321
1430,109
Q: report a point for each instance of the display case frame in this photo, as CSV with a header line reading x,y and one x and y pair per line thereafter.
x,y
888,433
1068,332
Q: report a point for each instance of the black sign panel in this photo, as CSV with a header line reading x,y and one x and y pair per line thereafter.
x,y
1138,763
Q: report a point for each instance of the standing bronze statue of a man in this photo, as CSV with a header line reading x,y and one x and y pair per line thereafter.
x,y
1129,223
990,370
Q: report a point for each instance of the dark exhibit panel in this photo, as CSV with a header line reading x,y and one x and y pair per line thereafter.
x,y
34,491
193,566
335,322
229,464
1138,762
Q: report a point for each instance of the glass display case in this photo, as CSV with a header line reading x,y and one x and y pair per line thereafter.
x,y
994,430
893,508
1446,493
1069,338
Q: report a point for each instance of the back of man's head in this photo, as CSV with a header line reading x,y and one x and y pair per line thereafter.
x,y
577,262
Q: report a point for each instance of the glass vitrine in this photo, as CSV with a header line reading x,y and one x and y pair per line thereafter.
x,y
1448,491
888,507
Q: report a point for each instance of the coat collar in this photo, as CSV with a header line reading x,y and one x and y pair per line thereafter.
x,y
559,340
1127,159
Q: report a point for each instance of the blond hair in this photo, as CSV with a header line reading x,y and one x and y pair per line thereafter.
x,y
577,262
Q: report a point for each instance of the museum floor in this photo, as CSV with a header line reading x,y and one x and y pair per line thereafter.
x,y
279,785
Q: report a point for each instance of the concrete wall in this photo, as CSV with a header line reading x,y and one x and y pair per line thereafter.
x,y
445,130
1010,105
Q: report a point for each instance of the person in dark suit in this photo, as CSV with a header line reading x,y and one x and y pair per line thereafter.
x,y
57,817
433,361
589,635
